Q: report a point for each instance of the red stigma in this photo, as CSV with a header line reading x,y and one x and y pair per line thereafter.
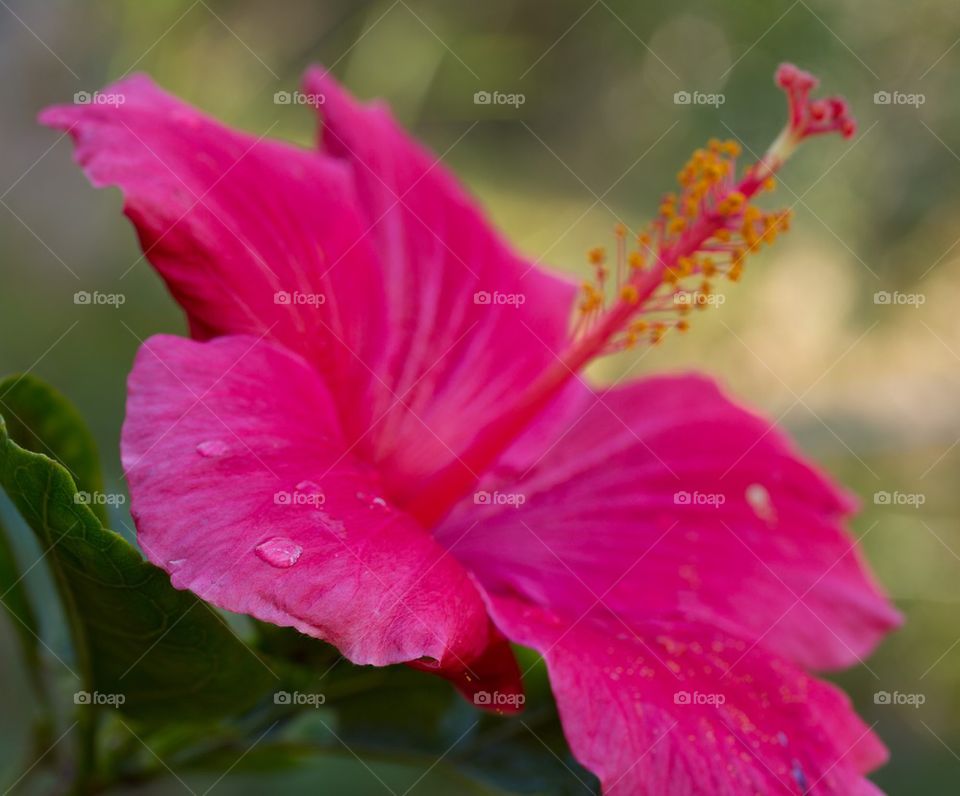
x,y
813,117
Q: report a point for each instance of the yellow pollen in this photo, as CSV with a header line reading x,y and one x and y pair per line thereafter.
x,y
732,203
713,172
702,233
732,148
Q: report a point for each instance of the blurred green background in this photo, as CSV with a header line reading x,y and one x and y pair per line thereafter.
x,y
868,388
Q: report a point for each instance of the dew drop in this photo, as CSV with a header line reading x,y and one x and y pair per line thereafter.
x,y
176,563
372,501
212,448
279,552
759,499
309,493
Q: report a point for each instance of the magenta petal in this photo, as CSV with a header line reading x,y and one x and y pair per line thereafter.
x,y
664,498
494,671
680,708
462,353
244,491
251,235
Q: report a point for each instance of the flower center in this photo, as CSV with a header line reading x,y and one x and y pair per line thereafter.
x,y
702,233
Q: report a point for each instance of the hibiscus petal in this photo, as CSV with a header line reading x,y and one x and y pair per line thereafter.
x,y
661,498
243,489
683,708
251,235
462,353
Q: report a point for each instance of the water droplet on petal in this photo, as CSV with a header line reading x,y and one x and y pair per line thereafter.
x,y
759,499
279,552
212,448
372,501
310,493
176,563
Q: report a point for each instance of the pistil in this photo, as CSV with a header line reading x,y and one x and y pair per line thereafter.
x,y
703,232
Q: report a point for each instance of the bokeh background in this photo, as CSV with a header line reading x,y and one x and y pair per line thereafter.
x,y
870,389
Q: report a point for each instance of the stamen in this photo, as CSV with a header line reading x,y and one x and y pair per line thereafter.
x,y
708,229
704,232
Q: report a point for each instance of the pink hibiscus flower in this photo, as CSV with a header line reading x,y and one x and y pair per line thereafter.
x,y
379,437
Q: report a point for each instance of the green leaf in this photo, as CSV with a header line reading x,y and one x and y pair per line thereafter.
x,y
420,715
167,654
335,762
16,602
40,419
